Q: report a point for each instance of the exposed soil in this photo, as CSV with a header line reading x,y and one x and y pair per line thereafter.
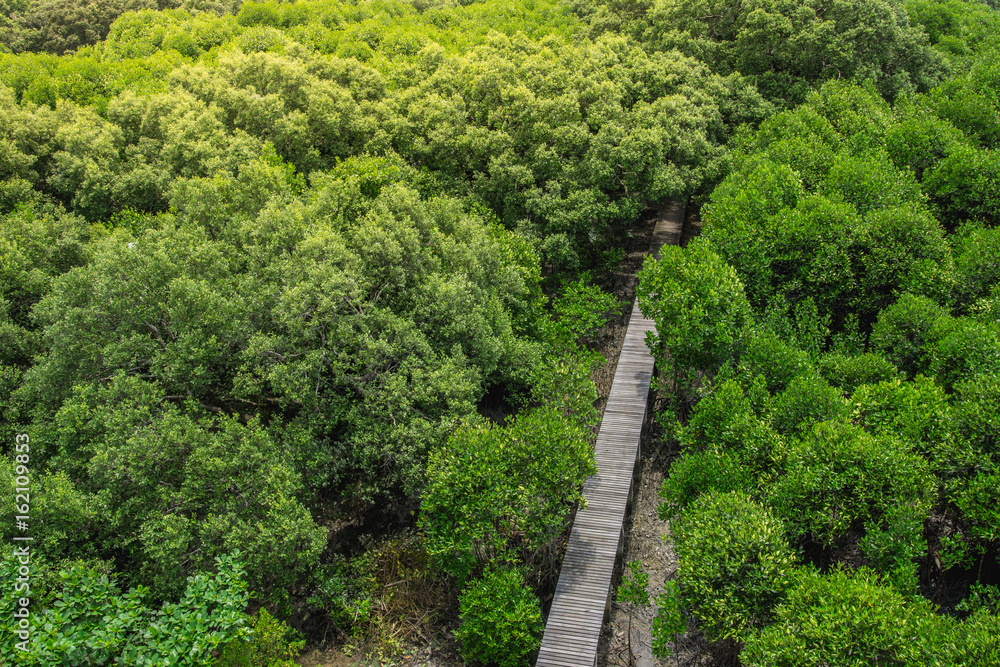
x,y
327,658
440,652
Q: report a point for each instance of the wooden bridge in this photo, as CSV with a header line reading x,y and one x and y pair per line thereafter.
x,y
583,592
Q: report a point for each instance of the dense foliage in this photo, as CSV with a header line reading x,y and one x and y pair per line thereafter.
x,y
256,284
90,622
787,47
266,267
501,621
835,491
566,141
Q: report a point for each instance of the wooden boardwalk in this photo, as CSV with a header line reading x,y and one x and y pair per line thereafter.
x,y
582,594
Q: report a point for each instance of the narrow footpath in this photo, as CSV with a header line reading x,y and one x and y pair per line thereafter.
x,y
582,596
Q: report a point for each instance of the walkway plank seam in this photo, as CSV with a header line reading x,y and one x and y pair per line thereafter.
x,y
573,628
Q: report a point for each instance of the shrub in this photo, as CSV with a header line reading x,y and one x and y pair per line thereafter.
x,y
345,591
739,225
841,478
847,372
501,620
920,142
976,413
88,622
725,421
503,492
894,544
905,328
846,620
735,564
808,399
700,310
718,420
696,474
978,502
975,641
778,362
969,349
917,411
977,264
981,597
811,159
976,492
870,182
91,623
895,250
812,258
209,614
987,309
964,185
789,47
271,644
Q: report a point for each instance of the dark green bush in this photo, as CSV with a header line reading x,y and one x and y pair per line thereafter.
x,y
988,308
739,221
811,159
972,111
982,597
701,313
812,255
271,644
726,421
895,250
966,185
501,620
735,564
977,499
704,472
977,264
847,620
894,546
808,399
905,328
503,492
918,143
976,414
840,479
971,348
790,47
847,372
870,182
917,411
774,359
346,591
